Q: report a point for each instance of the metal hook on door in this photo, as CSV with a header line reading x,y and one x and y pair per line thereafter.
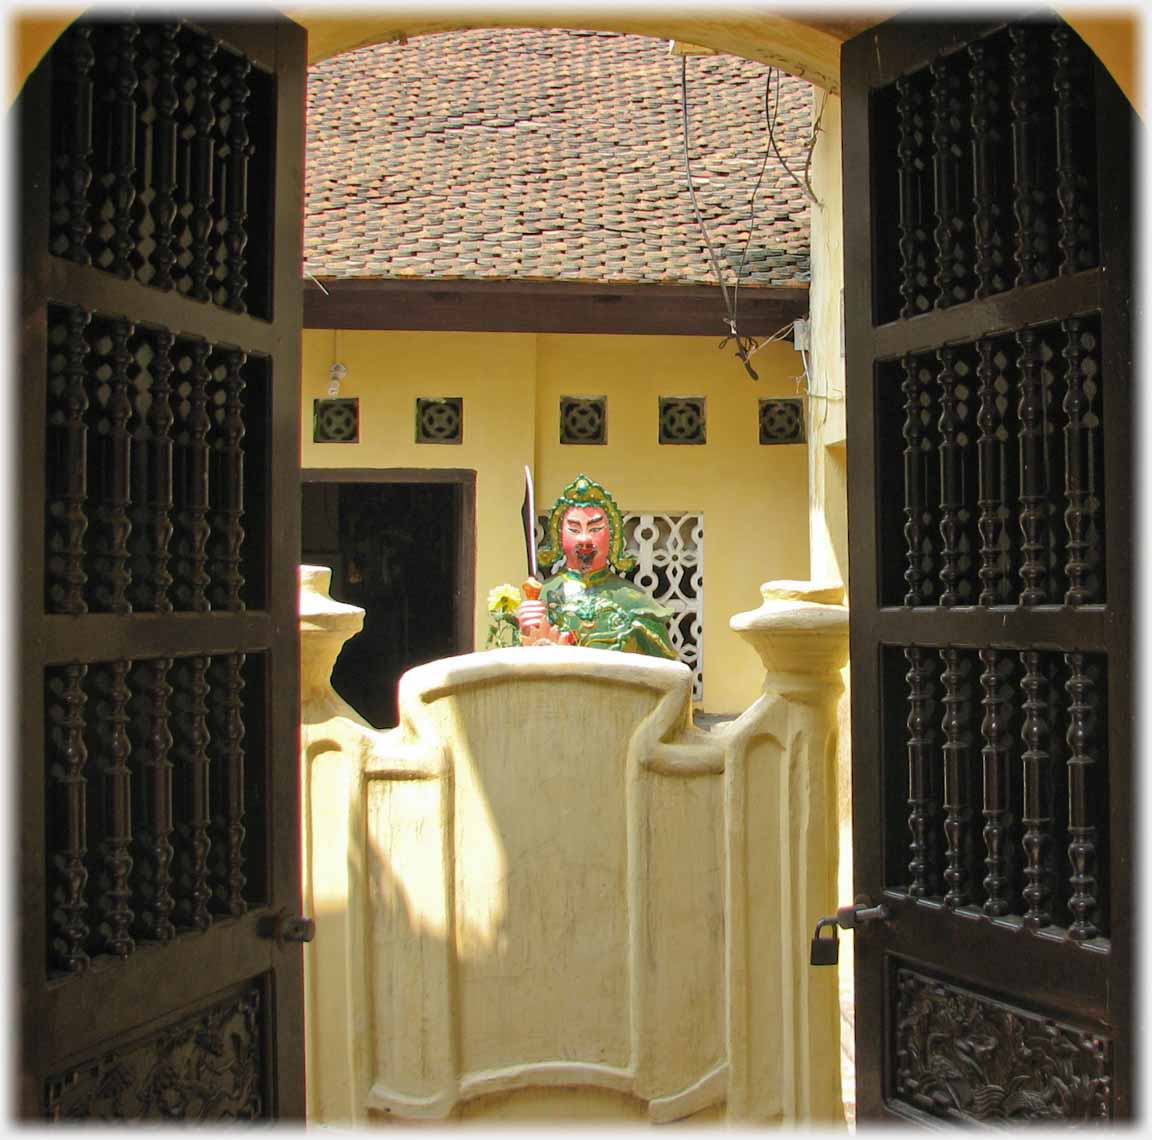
x,y
281,928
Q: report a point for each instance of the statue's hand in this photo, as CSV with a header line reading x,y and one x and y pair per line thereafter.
x,y
531,614
536,629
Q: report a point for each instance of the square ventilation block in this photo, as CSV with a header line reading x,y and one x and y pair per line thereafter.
x,y
583,419
683,419
440,420
336,421
782,421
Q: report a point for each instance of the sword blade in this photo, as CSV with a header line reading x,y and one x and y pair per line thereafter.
x,y
528,513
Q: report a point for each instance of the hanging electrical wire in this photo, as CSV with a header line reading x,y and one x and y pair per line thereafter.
x,y
770,116
748,239
743,344
746,346
769,148
782,333
810,147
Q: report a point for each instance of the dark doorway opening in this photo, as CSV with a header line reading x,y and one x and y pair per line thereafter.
x,y
401,546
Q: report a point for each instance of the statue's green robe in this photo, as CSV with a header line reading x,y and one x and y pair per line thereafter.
x,y
606,611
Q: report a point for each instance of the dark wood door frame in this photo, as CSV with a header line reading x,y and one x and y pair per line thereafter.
x,y
1015,967
119,1001
465,479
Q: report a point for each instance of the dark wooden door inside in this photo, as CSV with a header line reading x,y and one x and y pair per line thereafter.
x,y
402,547
161,185
988,237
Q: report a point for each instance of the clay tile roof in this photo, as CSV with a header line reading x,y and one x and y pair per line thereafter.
x,y
549,154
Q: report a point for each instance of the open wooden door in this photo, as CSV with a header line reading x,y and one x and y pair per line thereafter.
x,y
988,238
161,185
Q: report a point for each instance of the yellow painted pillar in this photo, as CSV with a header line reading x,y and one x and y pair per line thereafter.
x,y
333,742
785,1047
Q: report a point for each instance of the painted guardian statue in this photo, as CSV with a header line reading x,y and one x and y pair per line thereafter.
x,y
587,602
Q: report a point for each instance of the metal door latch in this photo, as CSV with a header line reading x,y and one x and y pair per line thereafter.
x,y
826,951
281,928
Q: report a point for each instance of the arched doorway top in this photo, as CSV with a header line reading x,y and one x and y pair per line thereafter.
x,y
803,45
806,47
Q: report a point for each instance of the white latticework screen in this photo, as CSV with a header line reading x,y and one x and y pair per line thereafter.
x,y
669,552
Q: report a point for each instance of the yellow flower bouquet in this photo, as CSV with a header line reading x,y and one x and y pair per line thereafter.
x,y
503,629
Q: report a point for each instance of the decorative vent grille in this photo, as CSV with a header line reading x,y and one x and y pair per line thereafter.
x,y
683,419
160,157
669,553
336,421
782,421
440,421
153,840
669,550
583,419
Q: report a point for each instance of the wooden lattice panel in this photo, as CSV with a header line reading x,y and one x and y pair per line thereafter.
x,y
150,765
992,184
160,134
147,435
1001,495
1003,810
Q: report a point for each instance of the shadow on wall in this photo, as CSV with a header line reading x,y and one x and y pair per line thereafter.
x,y
407,909
836,505
499,898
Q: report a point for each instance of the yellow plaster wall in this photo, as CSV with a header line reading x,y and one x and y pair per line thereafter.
x,y
828,528
494,373
754,498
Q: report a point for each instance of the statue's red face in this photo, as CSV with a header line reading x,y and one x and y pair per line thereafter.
x,y
586,538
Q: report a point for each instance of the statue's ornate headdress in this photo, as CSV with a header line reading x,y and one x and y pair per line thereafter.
x,y
585,492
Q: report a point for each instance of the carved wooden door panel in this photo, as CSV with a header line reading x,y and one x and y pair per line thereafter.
x,y
988,276
161,182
